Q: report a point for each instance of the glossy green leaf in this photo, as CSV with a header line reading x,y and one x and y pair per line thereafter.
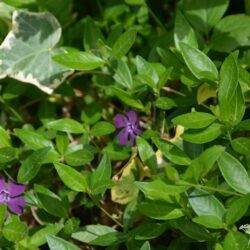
x,y
172,152
230,96
204,203
62,142
98,235
191,229
199,63
123,44
231,32
234,173
146,246
159,190
91,35
79,60
160,210
123,75
102,128
203,135
41,31
7,154
209,221
241,145
4,138
66,125
165,103
194,120
127,98
56,243
71,225
201,165
236,241
78,157
51,202
147,154
183,32
204,15
3,211
31,166
100,179
71,178
32,139
237,209
15,231
39,237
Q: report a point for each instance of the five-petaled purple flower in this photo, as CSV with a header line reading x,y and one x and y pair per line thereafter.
x,y
130,125
11,195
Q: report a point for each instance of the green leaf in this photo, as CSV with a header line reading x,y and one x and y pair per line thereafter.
x,y
127,98
15,231
98,235
199,63
183,32
135,2
32,139
241,145
71,178
172,152
56,243
147,154
165,103
62,142
231,101
237,209
160,210
123,44
102,128
91,35
209,221
39,237
159,190
123,75
203,135
101,176
66,125
78,157
79,60
234,173
201,165
31,166
235,241
204,15
204,203
4,138
191,229
145,68
41,31
7,154
194,120
146,246
71,225
231,32
51,202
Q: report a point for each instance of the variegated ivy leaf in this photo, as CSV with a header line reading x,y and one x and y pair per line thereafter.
x,y
26,53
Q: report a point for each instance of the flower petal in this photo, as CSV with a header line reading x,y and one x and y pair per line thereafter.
x,y
132,139
15,189
120,121
123,136
132,117
16,205
137,130
2,184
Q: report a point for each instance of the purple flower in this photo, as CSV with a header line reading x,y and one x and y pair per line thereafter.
x,y
11,196
130,125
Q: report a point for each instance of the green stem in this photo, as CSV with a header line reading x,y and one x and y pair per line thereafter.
x,y
198,186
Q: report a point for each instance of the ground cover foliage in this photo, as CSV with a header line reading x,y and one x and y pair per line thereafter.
x,y
124,124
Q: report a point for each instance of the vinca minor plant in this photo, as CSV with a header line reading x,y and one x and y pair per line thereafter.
x,y
124,124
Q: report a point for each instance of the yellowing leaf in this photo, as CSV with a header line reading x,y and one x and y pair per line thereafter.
x,y
178,132
205,92
124,190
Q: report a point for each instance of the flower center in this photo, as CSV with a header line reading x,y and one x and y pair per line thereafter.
x,y
130,128
4,196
